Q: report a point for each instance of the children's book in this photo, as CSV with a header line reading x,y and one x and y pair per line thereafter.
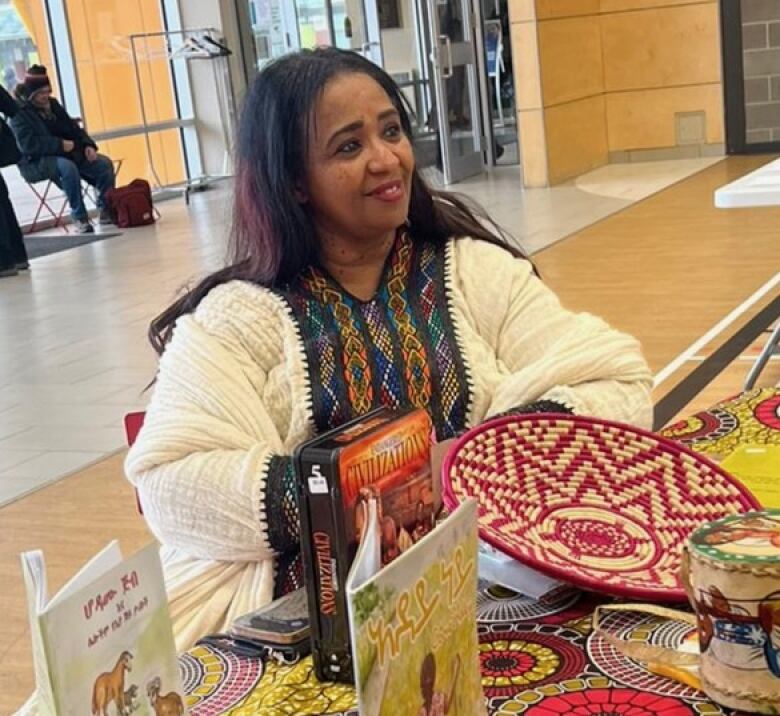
x,y
104,643
382,458
413,622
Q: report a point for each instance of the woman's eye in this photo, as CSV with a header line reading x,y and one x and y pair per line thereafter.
x,y
349,147
393,130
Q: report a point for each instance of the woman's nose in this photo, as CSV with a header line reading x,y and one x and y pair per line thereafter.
x,y
382,158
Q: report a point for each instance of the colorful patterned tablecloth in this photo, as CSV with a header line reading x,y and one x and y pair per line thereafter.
x,y
752,417
537,659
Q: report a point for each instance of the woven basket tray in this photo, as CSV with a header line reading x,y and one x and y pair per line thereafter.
x,y
598,504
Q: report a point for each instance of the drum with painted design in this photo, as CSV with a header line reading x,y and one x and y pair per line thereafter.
x,y
734,582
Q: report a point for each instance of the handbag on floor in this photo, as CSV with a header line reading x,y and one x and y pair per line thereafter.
x,y
131,205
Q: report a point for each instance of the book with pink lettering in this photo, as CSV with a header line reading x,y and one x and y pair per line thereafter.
x,y
413,622
104,642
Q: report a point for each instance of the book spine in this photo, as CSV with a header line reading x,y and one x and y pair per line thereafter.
x,y
326,563
45,690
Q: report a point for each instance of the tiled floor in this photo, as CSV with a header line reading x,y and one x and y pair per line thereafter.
x,y
74,357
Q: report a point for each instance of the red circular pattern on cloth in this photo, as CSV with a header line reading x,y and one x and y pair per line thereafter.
x,y
706,425
768,413
610,702
512,662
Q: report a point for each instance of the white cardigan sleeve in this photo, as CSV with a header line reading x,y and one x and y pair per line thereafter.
x,y
201,462
546,352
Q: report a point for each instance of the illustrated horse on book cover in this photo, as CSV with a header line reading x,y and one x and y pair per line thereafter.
x,y
110,686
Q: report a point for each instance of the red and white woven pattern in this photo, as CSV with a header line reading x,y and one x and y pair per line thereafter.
x,y
601,505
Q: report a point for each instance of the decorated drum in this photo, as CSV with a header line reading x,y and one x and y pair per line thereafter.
x,y
734,580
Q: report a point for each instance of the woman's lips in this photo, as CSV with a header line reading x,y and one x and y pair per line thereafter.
x,y
390,192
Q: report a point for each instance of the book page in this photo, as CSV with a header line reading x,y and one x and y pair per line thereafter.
x,y
34,574
368,560
108,558
34,571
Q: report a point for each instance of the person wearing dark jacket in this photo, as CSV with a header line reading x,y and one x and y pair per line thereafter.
x,y
55,147
13,255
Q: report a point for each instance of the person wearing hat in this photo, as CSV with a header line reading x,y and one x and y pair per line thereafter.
x,y
55,147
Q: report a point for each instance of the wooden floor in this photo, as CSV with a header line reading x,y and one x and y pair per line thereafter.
x,y
667,270
670,267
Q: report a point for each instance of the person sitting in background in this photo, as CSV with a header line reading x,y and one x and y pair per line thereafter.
x,y
9,79
55,147
13,255
352,284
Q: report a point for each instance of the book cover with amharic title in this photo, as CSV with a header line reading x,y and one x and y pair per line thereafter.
x,y
384,458
414,625
104,643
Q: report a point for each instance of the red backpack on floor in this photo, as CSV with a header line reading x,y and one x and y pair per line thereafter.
x,y
131,205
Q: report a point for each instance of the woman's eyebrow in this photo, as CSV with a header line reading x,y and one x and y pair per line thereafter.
x,y
354,126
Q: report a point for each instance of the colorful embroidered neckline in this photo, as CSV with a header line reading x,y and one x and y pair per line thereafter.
x,y
396,349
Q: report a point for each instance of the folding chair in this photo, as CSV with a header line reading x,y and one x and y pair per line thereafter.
x,y
45,201
45,204
133,424
772,346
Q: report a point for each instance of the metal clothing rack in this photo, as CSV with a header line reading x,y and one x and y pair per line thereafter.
x,y
177,43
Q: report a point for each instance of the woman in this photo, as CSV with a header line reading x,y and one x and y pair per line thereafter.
x,y
13,254
351,284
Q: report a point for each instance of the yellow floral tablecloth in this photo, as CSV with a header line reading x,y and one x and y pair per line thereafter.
x,y
538,660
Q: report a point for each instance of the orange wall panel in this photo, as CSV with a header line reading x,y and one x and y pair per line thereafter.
x,y
546,9
646,119
576,138
661,47
571,59
623,5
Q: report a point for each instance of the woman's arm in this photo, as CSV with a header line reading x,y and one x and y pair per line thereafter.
x,y
209,464
8,105
548,353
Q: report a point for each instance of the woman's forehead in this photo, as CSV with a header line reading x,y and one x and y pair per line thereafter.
x,y
348,98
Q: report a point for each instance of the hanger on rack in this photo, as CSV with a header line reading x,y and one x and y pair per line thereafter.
x,y
217,48
189,48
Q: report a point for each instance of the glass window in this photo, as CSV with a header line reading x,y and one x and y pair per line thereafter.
x,y
109,93
24,41
268,30
313,23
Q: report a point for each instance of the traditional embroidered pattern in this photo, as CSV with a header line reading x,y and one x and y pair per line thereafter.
x,y
395,350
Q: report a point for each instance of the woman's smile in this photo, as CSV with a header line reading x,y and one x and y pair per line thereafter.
x,y
392,191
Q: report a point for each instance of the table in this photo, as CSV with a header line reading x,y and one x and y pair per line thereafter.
x,y
537,660
758,188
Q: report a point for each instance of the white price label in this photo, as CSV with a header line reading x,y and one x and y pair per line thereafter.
x,y
318,485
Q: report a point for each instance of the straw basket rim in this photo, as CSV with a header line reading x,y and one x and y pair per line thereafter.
x,y
528,549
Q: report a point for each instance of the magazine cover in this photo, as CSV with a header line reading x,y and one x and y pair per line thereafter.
x,y
104,643
383,457
414,628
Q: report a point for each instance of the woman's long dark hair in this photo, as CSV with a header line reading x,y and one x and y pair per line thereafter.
x,y
273,237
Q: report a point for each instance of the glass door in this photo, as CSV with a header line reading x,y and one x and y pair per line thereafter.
x,y
272,28
314,23
269,29
356,27
456,112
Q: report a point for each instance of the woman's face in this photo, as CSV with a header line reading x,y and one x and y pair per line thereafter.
x,y
360,162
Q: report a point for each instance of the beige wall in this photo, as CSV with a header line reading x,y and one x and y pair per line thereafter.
x,y
658,62
572,76
604,78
